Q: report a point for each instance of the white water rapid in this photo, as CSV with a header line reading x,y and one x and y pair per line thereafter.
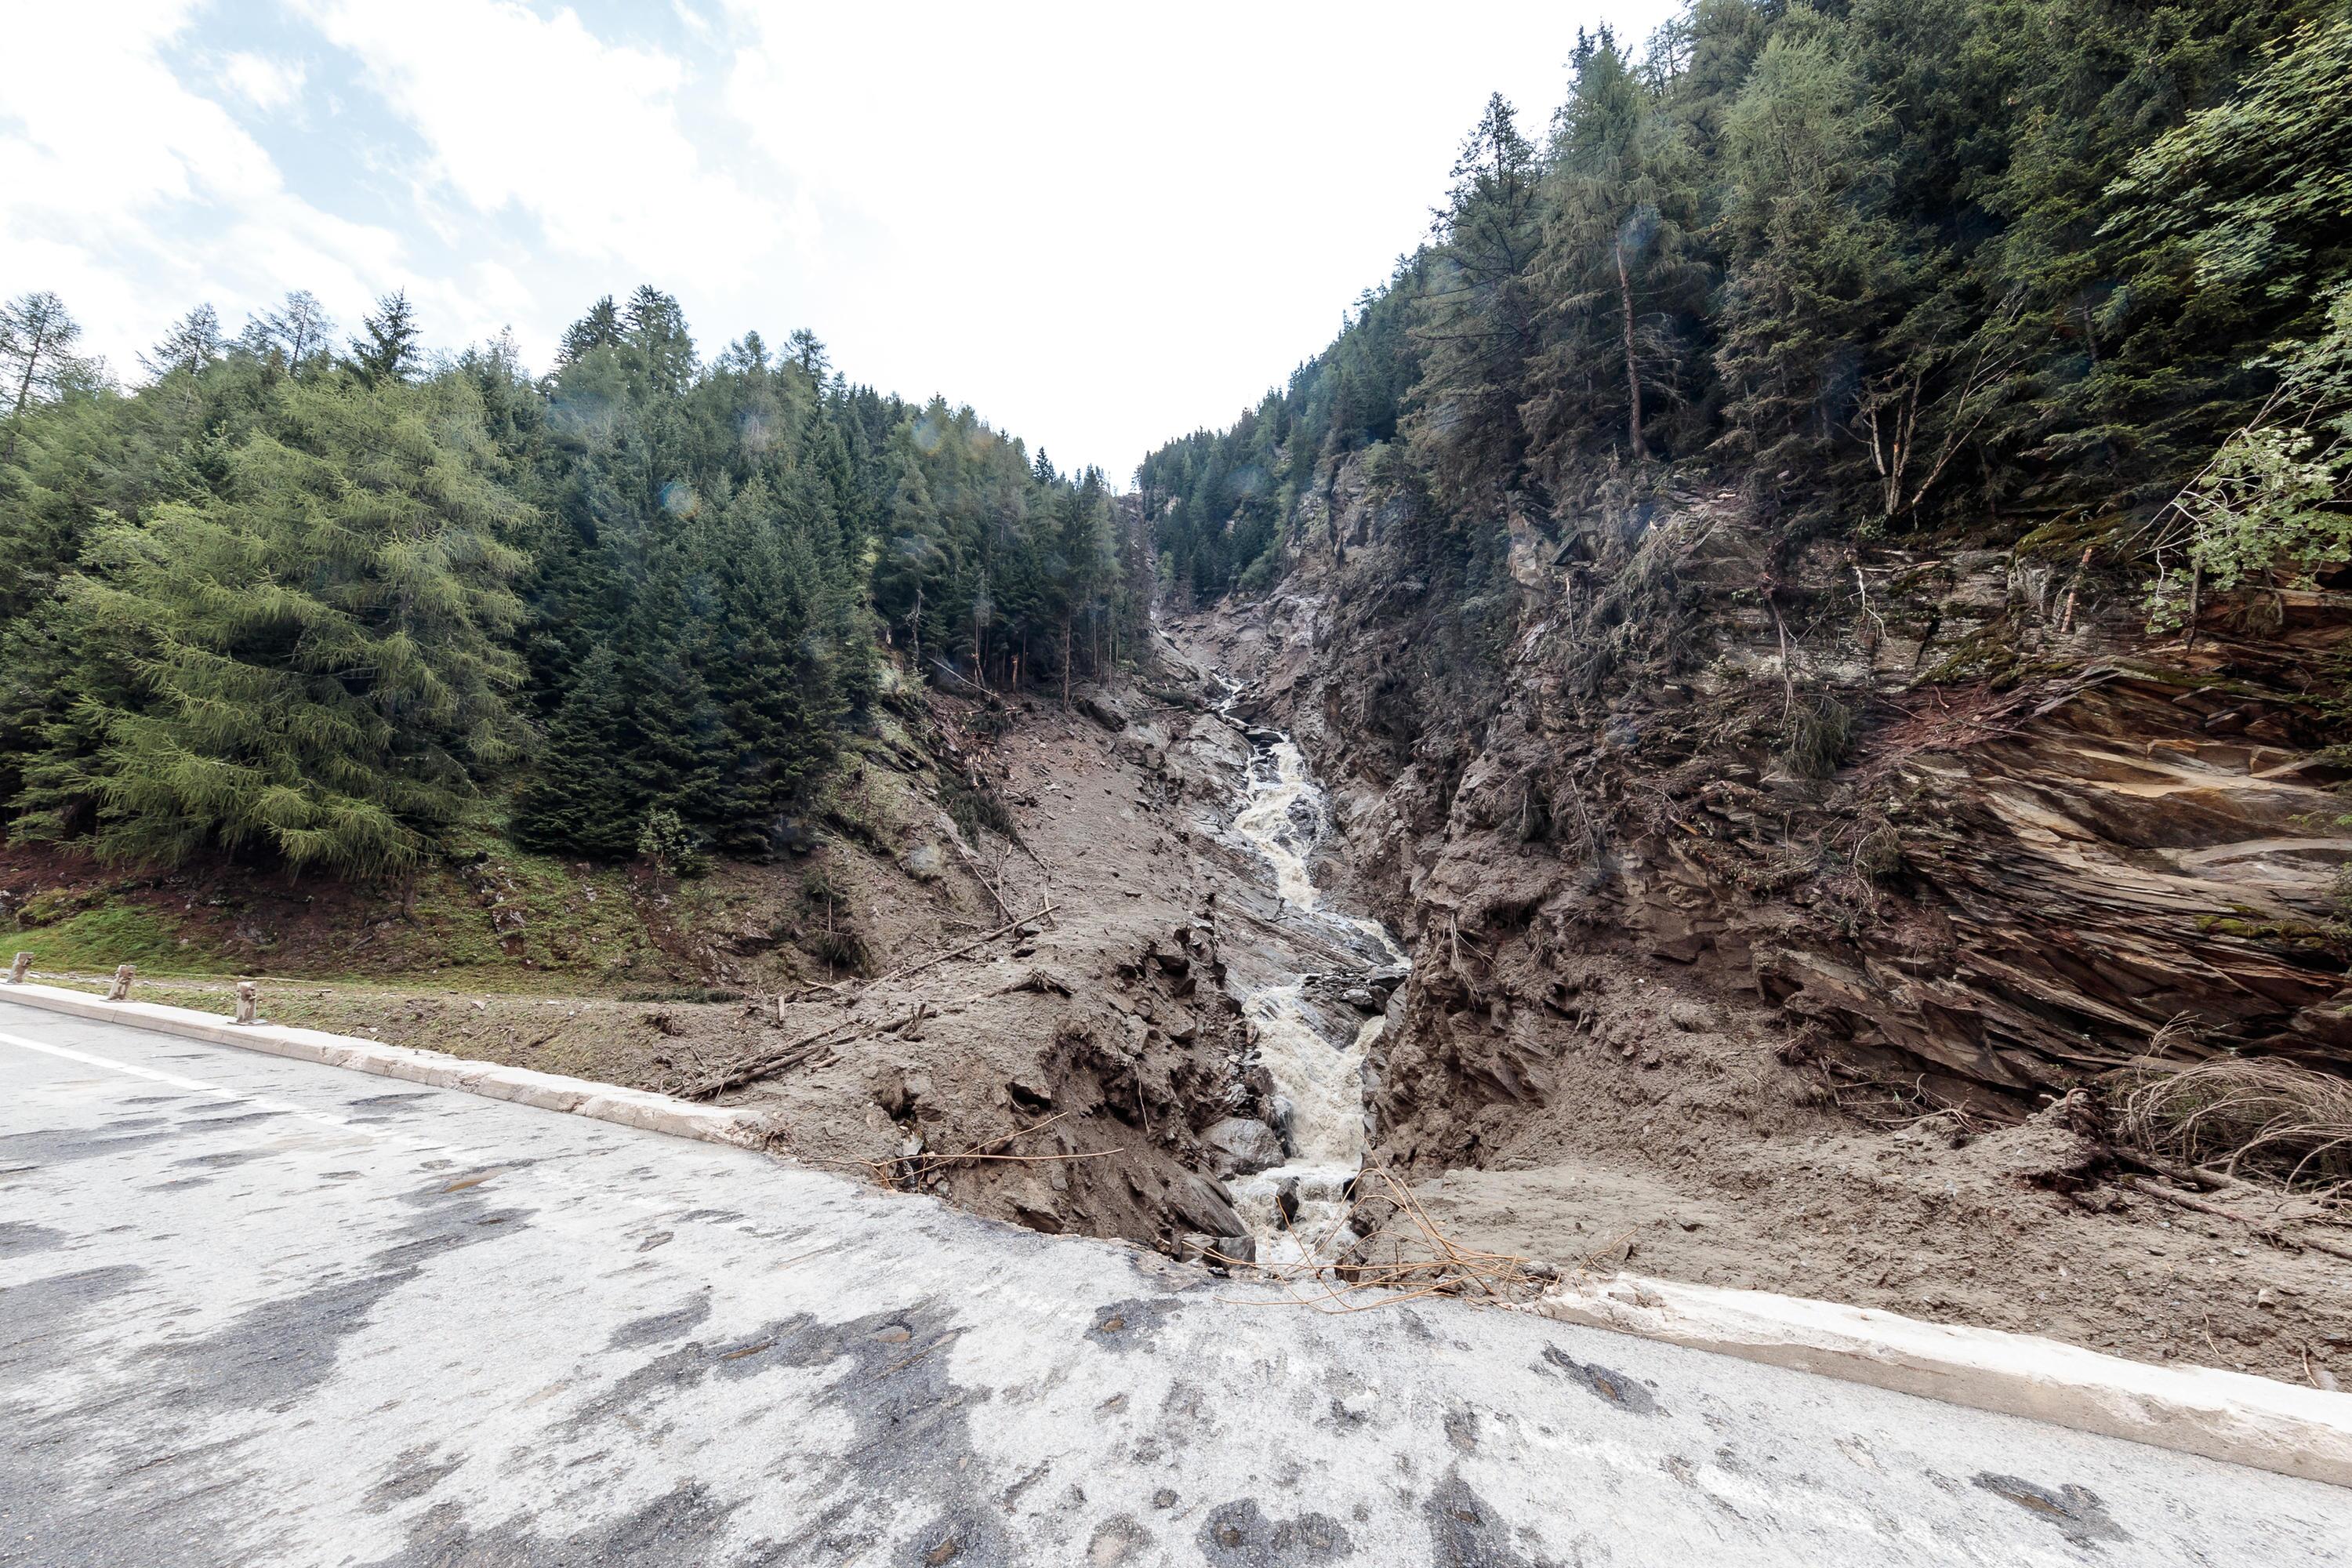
x,y
1313,1046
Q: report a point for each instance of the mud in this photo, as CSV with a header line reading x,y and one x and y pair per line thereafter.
x,y
1640,1035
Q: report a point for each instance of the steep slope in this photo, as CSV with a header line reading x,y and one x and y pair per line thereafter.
x,y
1670,968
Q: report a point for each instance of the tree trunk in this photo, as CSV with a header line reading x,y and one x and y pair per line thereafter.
x,y
1632,363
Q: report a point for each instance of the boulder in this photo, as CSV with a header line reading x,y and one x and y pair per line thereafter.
x,y
1101,706
1239,1144
1201,1204
1219,1252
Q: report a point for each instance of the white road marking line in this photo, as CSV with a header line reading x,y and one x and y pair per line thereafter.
x,y
196,1085
563,1181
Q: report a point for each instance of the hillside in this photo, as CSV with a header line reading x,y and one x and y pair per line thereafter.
x,y
1820,597
1812,610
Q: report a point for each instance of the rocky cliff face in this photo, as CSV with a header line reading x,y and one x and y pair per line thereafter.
x,y
1952,813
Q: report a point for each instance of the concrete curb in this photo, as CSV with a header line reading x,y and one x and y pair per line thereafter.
x,y
2227,1416
2230,1415
637,1108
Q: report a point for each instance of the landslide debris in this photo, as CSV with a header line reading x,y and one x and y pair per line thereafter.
x,y
1767,893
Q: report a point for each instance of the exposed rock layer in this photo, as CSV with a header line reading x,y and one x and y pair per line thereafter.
x,y
2036,836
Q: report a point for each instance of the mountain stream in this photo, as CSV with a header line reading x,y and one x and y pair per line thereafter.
x,y
1311,1038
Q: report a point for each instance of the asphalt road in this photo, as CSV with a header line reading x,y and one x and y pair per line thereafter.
x,y
254,1310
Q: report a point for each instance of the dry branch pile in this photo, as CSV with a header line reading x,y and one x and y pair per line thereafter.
x,y
2242,1115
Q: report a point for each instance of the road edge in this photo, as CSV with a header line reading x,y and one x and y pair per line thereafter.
x,y
638,1108
2234,1416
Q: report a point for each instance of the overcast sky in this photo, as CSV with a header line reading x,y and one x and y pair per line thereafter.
x,y
1100,225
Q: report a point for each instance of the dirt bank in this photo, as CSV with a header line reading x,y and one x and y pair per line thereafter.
x,y
998,974
1670,1006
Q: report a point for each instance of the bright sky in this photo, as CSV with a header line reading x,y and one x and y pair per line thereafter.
x,y
1101,225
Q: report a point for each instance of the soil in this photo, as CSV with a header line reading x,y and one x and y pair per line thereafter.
x,y
1636,1112
1610,1108
1056,1068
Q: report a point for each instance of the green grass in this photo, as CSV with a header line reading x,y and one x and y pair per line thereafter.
x,y
110,934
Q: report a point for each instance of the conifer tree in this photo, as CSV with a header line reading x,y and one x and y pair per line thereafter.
x,y
316,653
1478,311
1615,261
385,348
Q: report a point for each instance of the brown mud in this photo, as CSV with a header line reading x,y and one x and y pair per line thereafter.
x,y
1684,1004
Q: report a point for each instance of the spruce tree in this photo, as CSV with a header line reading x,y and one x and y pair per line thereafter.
x,y
385,348
319,653
1478,312
580,800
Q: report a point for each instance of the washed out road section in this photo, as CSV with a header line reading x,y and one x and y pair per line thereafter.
x,y
256,1311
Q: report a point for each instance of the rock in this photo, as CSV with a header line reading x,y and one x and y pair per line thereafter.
x,y
1239,1144
1219,1252
1690,1017
1101,707
1203,1204
1037,1217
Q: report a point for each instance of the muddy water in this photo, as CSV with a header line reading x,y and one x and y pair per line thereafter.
x,y
1312,1043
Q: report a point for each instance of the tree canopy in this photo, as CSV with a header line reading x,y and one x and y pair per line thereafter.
x,y
333,607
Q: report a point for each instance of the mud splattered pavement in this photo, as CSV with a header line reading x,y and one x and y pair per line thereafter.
x,y
254,1310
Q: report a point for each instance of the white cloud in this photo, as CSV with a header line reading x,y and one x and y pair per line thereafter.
x,y
267,84
1101,225
137,197
538,114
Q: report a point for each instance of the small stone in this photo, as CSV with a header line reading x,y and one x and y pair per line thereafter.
x,y
2265,1297
1221,1253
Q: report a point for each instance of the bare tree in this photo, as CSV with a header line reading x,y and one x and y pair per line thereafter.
x,y
299,328
36,338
